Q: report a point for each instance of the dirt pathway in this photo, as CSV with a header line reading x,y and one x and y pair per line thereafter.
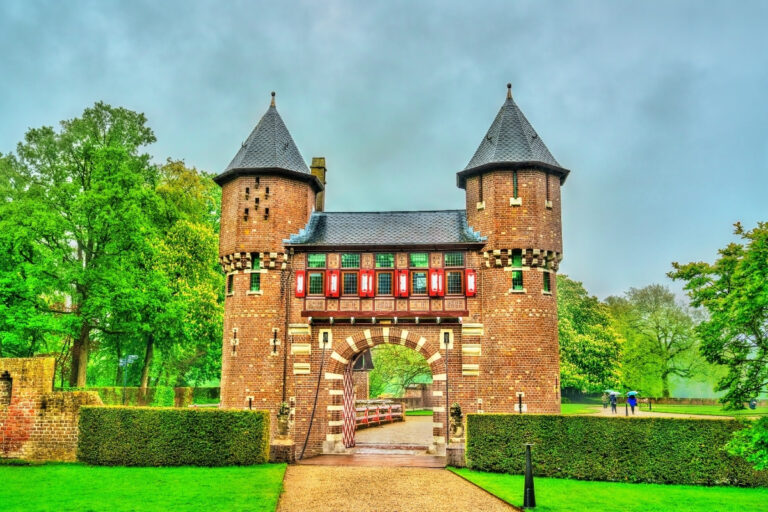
x,y
363,489
647,414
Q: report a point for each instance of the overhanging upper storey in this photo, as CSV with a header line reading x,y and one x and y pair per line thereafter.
x,y
360,230
511,143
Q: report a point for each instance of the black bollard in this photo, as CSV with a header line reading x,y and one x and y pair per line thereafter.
x,y
529,496
650,406
520,403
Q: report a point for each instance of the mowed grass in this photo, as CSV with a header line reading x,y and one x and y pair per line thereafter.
x,y
82,488
560,495
711,410
577,409
418,413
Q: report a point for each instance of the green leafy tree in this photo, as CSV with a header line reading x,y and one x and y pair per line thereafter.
x,y
734,292
660,337
395,368
589,345
79,200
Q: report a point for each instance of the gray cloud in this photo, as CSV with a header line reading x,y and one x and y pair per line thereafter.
x,y
658,108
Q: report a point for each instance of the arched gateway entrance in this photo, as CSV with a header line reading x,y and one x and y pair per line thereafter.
x,y
343,357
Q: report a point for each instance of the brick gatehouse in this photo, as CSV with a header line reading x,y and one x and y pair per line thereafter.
x,y
473,290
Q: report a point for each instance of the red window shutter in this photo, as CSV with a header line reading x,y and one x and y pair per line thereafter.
x,y
440,282
366,283
434,282
332,283
402,283
371,283
301,283
471,282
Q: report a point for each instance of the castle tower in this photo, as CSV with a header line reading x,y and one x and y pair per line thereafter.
x,y
512,188
268,193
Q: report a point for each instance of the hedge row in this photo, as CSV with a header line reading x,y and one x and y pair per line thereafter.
x,y
143,436
658,450
160,396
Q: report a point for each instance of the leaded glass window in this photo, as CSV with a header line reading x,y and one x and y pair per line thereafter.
x,y
350,261
419,259
454,259
385,260
316,260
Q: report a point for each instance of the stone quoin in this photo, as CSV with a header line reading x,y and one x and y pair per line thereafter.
x,y
308,291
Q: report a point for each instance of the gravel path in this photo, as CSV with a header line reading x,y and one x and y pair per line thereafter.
x,y
362,489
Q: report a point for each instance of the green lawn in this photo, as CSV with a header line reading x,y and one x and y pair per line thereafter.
x,y
418,413
712,410
77,487
576,409
559,495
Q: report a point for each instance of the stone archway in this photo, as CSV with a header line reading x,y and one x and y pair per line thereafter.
x,y
345,352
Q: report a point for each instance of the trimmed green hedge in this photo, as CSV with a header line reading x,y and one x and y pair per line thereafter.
x,y
144,436
657,450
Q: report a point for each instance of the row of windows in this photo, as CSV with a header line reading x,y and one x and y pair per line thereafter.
x,y
387,260
454,283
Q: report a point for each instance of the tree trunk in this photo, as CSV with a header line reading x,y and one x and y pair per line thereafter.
x,y
119,373
665,385
80,351
147,363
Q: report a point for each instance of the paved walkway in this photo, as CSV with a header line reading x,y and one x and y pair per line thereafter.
x,y
364,489
647,414
414,430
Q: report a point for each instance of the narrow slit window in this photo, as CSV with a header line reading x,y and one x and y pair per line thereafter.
x,y
517,258
547,284
255,281
480,188
247,193
514,184
546,178
230,284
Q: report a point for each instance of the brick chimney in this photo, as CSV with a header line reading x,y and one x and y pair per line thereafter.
x,y
318,169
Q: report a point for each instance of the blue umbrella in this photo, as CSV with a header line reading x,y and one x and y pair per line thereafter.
x,y
632,393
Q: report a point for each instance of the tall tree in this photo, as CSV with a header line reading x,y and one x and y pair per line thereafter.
x,y
659,333
734,292
81,200
589,345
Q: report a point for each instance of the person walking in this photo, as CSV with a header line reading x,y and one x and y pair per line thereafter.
x,y
613,402
632,401
605,400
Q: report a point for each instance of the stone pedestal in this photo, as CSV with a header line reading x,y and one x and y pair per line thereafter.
x,y
282,450
455,454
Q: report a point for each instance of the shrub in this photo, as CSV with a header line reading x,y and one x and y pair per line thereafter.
x,y
208,395
658,450
144,436
163,397
184,397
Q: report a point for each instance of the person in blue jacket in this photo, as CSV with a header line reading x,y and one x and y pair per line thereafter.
x,y
632,401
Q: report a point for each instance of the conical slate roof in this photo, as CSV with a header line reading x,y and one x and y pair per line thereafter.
x,y
511,140
269,145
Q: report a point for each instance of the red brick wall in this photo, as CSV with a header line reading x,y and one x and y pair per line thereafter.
x,y
39,424
517,336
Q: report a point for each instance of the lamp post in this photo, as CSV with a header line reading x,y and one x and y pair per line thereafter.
x,y
124,363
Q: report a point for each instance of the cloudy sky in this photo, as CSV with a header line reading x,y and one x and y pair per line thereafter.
x,y
660,109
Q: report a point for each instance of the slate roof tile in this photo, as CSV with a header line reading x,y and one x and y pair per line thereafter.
x,y
414,228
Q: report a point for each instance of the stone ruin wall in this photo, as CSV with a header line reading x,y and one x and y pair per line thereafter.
x,y
35,422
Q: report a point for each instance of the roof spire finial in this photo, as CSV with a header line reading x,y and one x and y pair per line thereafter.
x,y
272,103
509,91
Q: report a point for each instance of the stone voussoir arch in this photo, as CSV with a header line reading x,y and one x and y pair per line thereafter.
x,y
344,352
